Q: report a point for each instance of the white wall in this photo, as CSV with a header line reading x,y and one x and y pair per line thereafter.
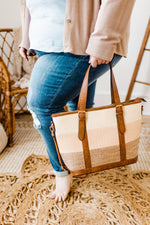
x,y
10,17
9,13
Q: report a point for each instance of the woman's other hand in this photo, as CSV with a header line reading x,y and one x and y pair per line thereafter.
x,y
25,53
97,61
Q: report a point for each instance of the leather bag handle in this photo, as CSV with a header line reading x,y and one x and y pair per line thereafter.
x,y
119,111
84,89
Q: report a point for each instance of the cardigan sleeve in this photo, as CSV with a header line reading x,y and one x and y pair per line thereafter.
x,y
113,19
25,22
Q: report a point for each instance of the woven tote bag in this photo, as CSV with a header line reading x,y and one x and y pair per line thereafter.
x,y
90,140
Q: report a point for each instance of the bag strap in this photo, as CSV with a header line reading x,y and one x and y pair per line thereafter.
x,y
119,112
52,129
84,89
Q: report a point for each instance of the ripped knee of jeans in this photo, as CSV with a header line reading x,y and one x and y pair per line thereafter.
x,y
36,122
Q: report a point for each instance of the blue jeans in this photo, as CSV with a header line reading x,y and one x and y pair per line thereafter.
x,y
55,82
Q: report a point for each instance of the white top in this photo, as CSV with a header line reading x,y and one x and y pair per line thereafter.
x,y
46,25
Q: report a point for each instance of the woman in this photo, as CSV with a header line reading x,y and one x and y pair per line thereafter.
x,y
68,35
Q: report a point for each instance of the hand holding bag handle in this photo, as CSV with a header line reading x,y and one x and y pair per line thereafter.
x,y
84,88
82,134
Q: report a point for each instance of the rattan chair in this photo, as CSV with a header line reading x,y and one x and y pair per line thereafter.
x,y
10,97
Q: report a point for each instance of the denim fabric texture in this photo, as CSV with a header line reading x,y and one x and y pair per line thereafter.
x,y
55,82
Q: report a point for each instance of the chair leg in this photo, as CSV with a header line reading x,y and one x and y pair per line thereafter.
x,y
10,121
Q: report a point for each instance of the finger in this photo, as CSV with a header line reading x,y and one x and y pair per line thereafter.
x,y
102,61
90,59
22,52
57,198
99,61
64,196
60,197
25,54
30,53
94,63
53,195
105,62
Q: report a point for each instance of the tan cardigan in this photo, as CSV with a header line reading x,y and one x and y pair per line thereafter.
x,y
93,27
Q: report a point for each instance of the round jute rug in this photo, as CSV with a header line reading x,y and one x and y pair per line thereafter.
x,y
111,197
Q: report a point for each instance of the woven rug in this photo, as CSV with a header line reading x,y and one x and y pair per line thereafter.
x,y
118,196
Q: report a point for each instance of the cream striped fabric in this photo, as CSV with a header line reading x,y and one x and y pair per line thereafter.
x,y
102,136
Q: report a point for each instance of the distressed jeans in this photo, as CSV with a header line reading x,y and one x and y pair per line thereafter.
x,y
56,81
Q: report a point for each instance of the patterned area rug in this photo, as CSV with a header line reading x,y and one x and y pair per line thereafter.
x,y
118,196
